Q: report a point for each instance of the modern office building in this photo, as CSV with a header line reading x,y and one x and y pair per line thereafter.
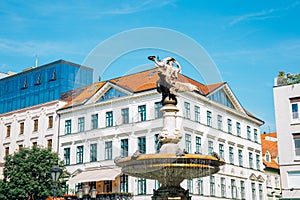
x,y
271,167
119,116
286,102
34,86
29,101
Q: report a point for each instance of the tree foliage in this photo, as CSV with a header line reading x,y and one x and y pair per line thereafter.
x,y
27,174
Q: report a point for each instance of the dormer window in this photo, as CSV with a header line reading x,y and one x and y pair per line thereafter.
x,y
268,159
24,83
37,79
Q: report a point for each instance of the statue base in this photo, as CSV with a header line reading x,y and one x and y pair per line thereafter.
x,y
171,193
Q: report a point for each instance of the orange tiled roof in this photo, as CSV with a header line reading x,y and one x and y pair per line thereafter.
x,y
138,82
273,164
271,147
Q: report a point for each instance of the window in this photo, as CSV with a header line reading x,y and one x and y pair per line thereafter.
x,y
6,151
243,190
295,112
156,184
34,144
142,144
253,191
250,160
229,126
220,123
52,74
142,113
108,150
255,135
197,114
79,155
277,184
233,189
21,128
125,115
297,144
37,78
107,186
8,127
189,183
221,150
188,144
68,126
240,152
80,124
141,186
198,144
200,186
248,133
49,143
93,152
260,190
94,121
231,156
157,143
269,181
124,147
209,118
268,157
50,122
157,107
212,185
109,119
223,187
238,129
124,183
20,147
67,156
35,125
257,161
187,111
210,147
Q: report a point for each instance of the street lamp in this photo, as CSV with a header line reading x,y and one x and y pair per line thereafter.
x,y
93,193
79,194
86,190
55,173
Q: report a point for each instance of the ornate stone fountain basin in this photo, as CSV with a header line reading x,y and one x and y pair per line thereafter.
x,y
170,169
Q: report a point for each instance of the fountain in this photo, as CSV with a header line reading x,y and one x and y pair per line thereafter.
x,y
171,165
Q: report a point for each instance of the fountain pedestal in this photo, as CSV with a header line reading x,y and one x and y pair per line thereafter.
x,y
168,193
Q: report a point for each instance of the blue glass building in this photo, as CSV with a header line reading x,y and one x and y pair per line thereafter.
x,y
42,84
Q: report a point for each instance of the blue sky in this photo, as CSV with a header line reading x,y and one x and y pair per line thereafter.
x,y
249,41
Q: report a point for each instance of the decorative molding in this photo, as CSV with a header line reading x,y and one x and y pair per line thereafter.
x,y
211,136
221,140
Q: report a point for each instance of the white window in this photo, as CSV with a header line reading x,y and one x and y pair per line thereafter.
x,y
293,179
297,144
187,110
220,122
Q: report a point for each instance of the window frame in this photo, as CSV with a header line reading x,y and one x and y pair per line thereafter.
x,y
142,113
79,154
93,152
109,119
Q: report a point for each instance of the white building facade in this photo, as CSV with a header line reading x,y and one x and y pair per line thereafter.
x,y
117,117
287,103
29,127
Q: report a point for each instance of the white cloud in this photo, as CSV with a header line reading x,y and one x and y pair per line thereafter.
x,y
262,15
